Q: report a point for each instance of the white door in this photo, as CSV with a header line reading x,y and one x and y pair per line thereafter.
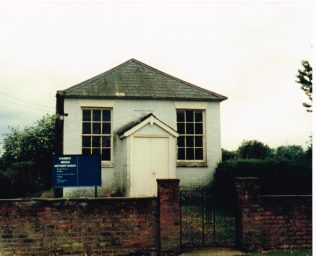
x,y
150,161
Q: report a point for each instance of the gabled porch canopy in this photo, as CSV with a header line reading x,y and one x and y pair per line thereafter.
x,y
151,119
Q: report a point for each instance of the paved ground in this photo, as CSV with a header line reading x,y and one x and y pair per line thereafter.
x,y
214,252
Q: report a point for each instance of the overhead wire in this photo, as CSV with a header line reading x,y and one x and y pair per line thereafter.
x,y
25,103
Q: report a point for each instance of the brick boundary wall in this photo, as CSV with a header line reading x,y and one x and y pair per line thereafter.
x,y
272,222
107,226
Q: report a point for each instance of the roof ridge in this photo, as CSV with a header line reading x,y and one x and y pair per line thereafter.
x,y
178,79
76,86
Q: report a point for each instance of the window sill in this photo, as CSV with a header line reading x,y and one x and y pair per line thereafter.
x,y
106,165
192,164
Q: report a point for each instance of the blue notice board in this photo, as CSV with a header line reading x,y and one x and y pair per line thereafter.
x,y
76,171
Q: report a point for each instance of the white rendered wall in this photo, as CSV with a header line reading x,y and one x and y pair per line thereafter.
x,y
125,111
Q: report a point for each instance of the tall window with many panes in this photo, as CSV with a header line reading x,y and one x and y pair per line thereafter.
x,y
97,133
190,124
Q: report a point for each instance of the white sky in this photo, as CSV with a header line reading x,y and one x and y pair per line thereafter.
x,y
248,51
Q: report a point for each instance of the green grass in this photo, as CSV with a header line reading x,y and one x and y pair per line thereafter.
x,y
192,227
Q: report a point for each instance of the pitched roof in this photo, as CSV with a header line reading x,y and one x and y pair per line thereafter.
x,y
136,80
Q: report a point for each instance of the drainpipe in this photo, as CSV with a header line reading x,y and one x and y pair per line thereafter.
x,y
59,129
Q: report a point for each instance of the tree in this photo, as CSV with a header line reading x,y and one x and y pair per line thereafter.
x,y
291,152
253,149
26,160
32,143
304,78
228,155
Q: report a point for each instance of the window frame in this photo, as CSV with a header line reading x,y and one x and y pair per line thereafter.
x,y
193,162
104,163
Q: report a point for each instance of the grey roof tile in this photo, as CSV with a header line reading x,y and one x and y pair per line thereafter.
x,y
138,80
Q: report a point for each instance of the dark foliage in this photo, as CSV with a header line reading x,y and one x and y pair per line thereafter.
x,y
280,177
5,184
305,78
228,155
26,161
253,149
291,152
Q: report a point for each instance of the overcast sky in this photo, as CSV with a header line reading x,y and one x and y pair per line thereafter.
x,y
248,51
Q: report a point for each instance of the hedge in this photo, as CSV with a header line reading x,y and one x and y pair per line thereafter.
x,y
5,186
277,177
24,179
